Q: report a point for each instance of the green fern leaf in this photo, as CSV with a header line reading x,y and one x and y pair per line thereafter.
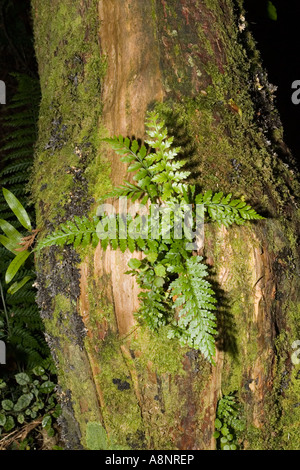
x,y
196,302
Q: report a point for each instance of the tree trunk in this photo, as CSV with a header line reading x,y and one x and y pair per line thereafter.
x,y
102,65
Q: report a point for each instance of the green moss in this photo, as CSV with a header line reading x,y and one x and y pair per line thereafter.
x,y
122,414
71,103
211,4
254,439
281,431
204,42
98,185
291,412
100,309
156,347
96,437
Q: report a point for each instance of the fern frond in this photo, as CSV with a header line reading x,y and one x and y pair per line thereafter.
x,y
16,167
26,327
166,171
77,232
13,155
154,309
127,190
19,334
157,173
22,296
134,154
20,120
228,410
21,133
19,178
195,302
155,306
16,144
225,211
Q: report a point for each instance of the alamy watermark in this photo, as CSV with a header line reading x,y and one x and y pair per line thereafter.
x,y
2,352
295,358
296,95
164,222
2,92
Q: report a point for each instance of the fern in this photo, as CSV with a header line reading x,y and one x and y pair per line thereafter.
x,y
155,305
157,173
82,231
174,286
131,153
229,423
24,333
225,211
77,232
195,301
18,144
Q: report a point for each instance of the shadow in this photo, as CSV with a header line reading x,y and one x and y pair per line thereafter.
x,y
226,325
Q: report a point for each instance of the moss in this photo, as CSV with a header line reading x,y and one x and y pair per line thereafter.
x,y
156,347
61,315
98,186
211,4
254,439
288,383
96,438
71,70
281,404
71,103
130,382
153,11
122,414
291,412
100,309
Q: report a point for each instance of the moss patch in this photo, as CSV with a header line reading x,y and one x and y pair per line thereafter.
x,y
70,109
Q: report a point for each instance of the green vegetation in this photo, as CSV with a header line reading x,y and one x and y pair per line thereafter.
x,y
228,423
29,396
175,290
20,323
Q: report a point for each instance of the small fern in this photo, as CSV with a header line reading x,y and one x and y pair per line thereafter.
x,y
229,423
175,290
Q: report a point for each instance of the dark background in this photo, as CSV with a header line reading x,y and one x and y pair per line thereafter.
x,y
279,44
16,51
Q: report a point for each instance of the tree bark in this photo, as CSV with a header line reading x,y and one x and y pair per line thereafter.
x,y
102,65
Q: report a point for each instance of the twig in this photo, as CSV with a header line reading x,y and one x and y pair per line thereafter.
x,y
19,433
